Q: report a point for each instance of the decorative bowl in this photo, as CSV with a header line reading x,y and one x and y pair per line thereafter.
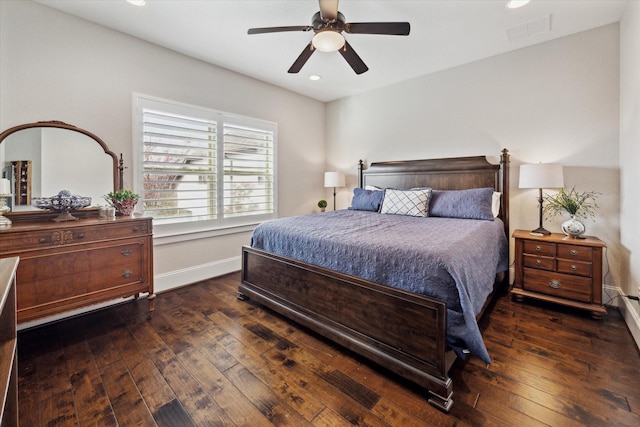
x,y
62,202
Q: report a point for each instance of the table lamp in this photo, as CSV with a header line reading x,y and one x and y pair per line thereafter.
x,y
541,175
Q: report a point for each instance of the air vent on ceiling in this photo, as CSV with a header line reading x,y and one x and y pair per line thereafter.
x,y
529,29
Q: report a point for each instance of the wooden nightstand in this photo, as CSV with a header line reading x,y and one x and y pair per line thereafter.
x,y
559,269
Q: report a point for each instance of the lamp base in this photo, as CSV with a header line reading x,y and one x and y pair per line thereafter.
x,y
540,230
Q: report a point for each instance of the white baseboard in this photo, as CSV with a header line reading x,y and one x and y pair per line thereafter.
x,y
629,309
162,282
175,279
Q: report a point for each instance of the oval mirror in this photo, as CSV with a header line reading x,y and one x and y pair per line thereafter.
x,y
41,159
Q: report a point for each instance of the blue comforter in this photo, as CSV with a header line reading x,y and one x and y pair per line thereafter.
x,y
452,260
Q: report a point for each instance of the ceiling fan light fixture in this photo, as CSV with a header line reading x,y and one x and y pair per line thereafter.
x,y
328,41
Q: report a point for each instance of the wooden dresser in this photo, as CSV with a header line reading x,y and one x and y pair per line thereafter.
x,y
8,344
73,264
559,269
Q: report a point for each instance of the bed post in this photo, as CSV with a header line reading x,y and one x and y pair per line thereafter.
x,y
504,162
360,170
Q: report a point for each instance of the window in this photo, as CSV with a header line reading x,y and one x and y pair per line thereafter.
x,y
199,165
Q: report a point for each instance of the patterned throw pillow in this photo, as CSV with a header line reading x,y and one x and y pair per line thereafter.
x,y
406,202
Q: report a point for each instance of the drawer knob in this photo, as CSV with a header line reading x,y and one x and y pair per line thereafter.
x,y
555,284
573,252
135,229
574,268
538,248
127,273
42,240
126,252
538,262
80,236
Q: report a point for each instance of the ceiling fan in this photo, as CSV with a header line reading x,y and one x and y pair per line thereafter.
x,y
328,25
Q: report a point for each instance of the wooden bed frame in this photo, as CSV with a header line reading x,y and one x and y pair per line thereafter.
x,y
406,333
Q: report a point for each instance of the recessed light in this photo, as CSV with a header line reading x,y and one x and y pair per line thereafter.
x,y
314,77
137,2
514,4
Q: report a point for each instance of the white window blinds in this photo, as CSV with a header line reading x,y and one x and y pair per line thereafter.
x,y
206,166
248,171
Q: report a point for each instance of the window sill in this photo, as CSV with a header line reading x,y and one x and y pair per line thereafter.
x,y
166,236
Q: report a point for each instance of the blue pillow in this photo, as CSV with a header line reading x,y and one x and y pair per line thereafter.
x,y
474,203
366,200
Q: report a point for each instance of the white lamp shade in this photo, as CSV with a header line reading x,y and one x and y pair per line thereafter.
x,y
541,175
333,179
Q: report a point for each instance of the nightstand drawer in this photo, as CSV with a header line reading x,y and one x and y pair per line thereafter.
x,y
580,253
575,267
559,285
539,248
539,262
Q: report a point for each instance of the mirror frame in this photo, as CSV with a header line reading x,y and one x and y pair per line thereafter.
x,y
118,165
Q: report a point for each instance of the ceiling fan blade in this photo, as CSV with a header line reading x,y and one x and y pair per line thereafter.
x,y
302,59
353,59
328,9
387,28
279,29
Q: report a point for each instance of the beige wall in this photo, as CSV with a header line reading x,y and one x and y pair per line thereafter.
x,y
630,161
58,67
553,102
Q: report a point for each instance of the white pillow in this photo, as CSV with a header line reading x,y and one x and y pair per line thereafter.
x,y
495,204
405,202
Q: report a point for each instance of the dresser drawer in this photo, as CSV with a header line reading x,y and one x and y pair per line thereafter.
x,y
109,231
37,239
539,248
539,262
34,240
79,273
578,253
557,284
66,263
575,267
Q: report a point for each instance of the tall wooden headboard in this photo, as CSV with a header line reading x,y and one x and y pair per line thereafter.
x,y
455,173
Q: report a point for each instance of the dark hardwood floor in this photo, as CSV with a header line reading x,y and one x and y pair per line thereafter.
x,y
206,358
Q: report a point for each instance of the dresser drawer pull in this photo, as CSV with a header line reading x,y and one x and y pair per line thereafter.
x,y
538,248
555,284
42,240
80,236
135,229
573,252
127,273
126,252
538,262
574,268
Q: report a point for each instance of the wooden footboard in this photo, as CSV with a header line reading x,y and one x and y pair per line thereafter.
x,y
404,332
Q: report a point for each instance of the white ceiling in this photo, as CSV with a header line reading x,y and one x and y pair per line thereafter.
x,y
444,34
